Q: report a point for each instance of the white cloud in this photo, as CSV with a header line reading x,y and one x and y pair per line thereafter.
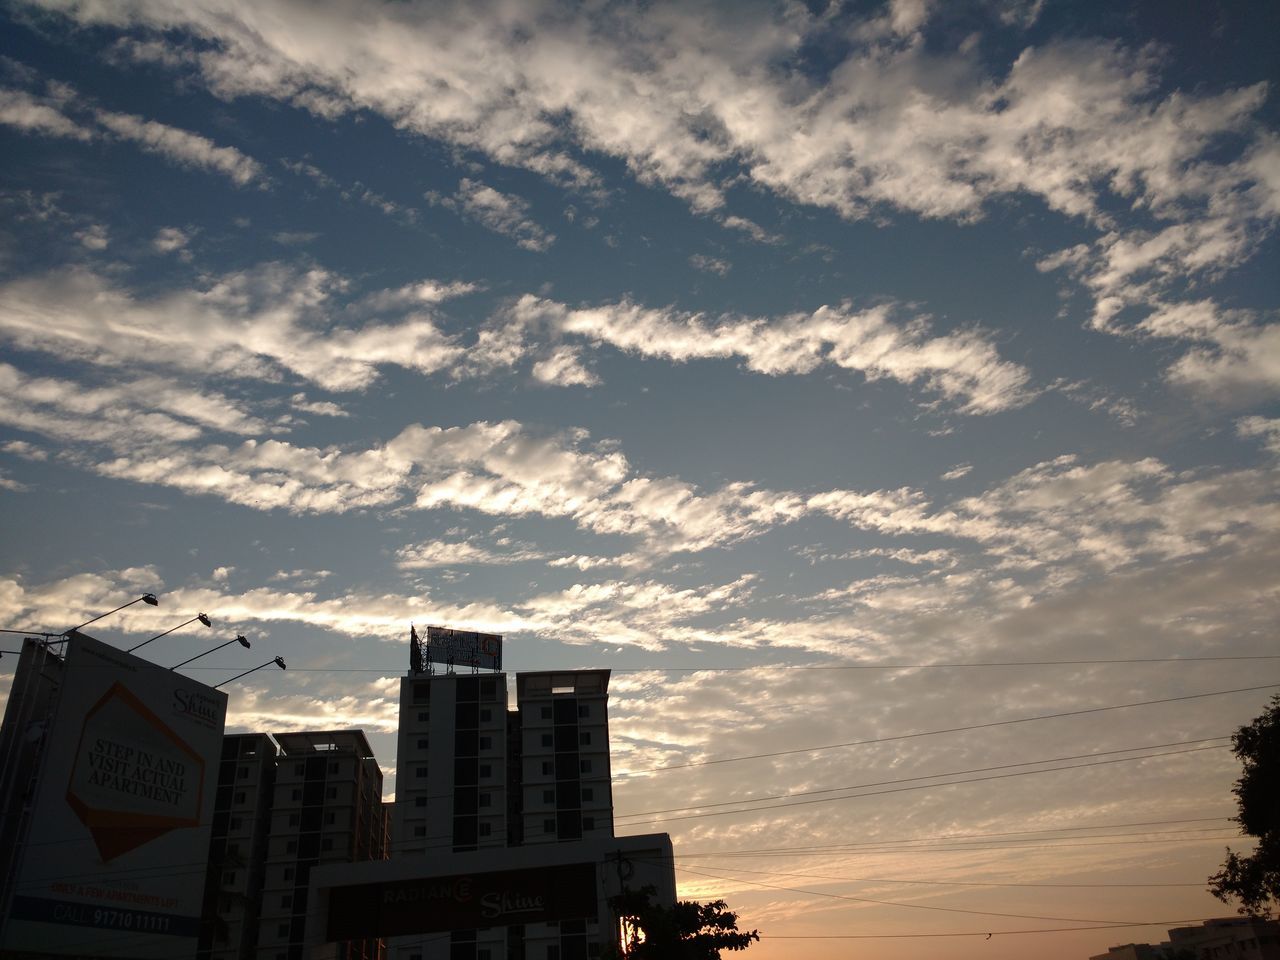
x,y
48,115
42,115
465,552
183,147
1264,428
255,324
170,240
963,365
502,213
94,237
716,265
958,471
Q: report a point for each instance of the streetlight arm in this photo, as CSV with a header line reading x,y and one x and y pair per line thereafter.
x,y
279,662
199,616
237,639
147,598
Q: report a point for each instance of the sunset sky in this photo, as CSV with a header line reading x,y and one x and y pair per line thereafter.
x,y
831,373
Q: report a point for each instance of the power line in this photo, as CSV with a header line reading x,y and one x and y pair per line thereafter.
x,y
949,783
933,776
933,733
896,903
852,847
971,883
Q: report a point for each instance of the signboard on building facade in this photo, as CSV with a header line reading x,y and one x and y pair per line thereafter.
x,y
114,861
494,898
463,648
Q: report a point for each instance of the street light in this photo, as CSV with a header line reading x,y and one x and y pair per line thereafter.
x,y
276,660
199,616
237,639
147,598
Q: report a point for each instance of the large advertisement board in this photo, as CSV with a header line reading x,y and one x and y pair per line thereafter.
x,y
462,902
114,862
463,648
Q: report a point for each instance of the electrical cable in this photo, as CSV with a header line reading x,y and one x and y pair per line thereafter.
x,y
933,733
949,783
880,783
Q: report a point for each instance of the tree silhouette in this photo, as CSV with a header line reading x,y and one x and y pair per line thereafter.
x,y
684,931
1255,880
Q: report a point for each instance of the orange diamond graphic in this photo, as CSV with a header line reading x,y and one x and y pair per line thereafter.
x,y
134,778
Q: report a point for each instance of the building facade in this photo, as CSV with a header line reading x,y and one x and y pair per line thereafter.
x,y
286,805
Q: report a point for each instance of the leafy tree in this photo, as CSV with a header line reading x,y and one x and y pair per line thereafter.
x,y
684,931
1255,880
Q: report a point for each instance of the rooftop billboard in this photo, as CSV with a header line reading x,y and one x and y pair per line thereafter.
x,y
463,648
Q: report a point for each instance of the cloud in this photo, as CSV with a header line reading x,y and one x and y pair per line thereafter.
x,y
963,366
93,237
1264,428
472,551
958,471
700,261
183,147
500,212
38,115
47,115
170,240
260,323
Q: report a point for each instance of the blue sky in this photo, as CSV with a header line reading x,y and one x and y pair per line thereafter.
x,y
671,338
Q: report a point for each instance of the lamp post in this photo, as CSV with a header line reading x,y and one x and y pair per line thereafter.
x,y
279,662
199,616
236,639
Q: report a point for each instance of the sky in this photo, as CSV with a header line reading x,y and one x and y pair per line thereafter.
x,y
862,383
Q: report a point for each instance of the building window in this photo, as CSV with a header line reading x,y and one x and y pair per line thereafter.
x,y
553,951
331,793
545,713
588,793
547,768
286,900
588,823
584,766
546,740
239,796
419,801
486,715
229,878
485,771
288,873
548,796
242,773
584,738
295,795
420,772
326,844
548,826
486,799
584,710
423,716
331,818
419,831
293,819
333,766
484,954
485,829
235,823
486,743
283,931
423,743
291,846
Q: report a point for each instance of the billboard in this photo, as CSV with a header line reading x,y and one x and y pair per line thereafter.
x,y
463,648
115,859
462,902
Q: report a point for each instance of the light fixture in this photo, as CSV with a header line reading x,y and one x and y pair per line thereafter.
x,y
199,616
278,661
236,639
148,598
